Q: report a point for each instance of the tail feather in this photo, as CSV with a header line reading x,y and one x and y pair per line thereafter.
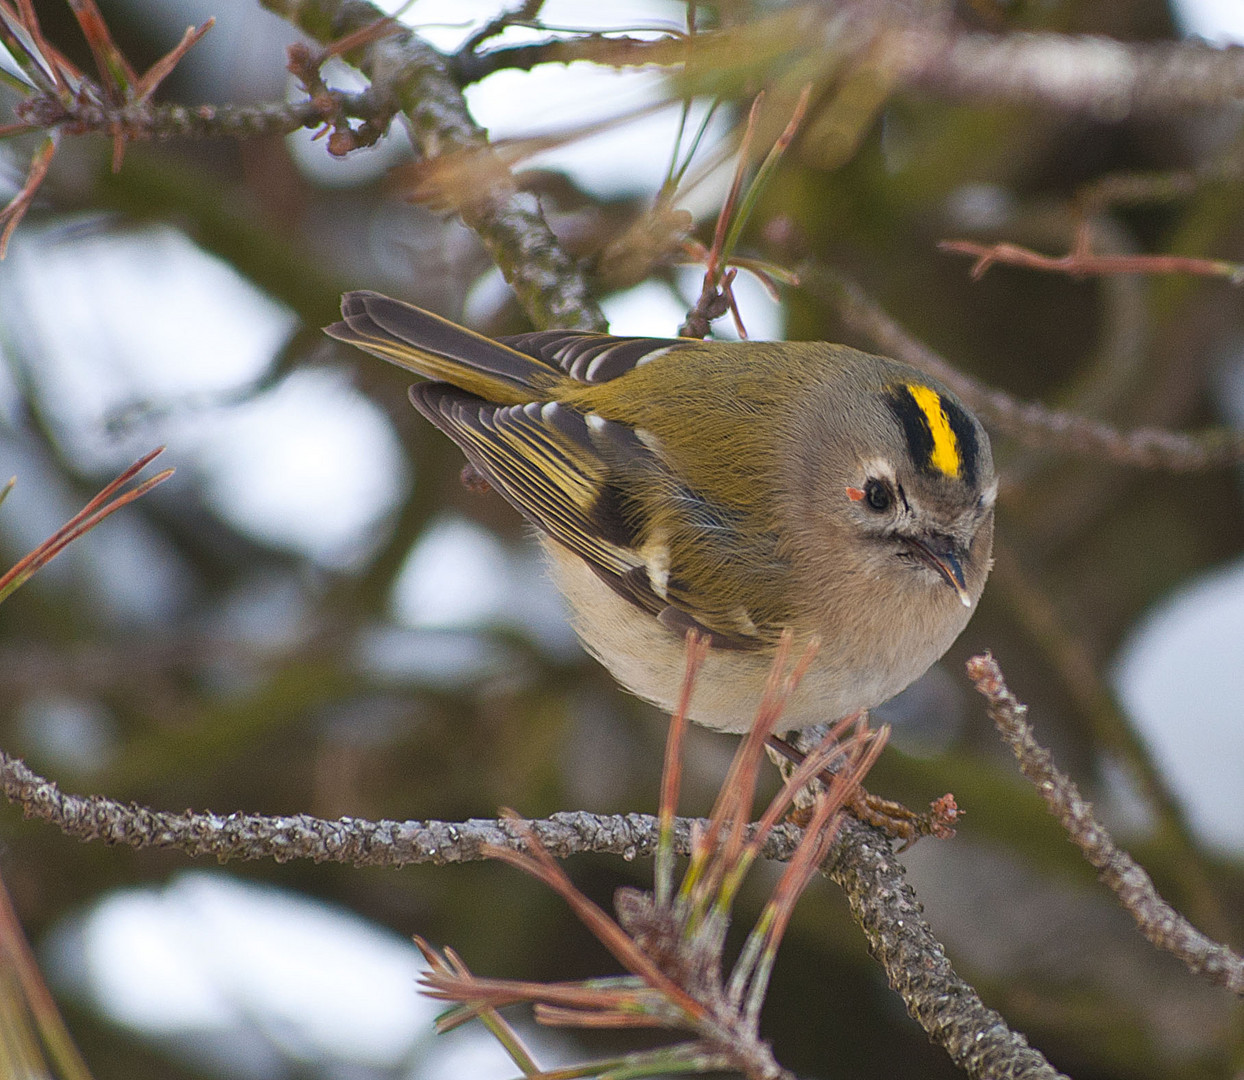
x,y
438,349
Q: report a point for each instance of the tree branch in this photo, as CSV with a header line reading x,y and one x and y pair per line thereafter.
x,y
148,120
617,51
1106,79
357,841
1029,422
1080,264
1162,926
552,289
861,862
950,1011
1102,77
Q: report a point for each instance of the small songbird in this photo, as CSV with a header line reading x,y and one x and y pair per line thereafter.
x,y
737,488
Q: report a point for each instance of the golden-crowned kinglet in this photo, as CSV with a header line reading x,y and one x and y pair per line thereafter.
x,y
739,488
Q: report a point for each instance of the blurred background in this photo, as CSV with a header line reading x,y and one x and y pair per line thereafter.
x,y
315,616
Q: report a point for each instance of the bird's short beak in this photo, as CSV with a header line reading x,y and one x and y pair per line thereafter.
x,y
941,554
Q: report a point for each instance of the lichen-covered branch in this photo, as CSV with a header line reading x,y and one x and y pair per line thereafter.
x,y
1161,925
861,862
152,120
950,1011
551,287
1104,78
346,840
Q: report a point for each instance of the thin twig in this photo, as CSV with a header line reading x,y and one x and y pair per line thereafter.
x,y
1028,422
1078,671
60,89
1084,263
1075,74
1161,925
524,14
608,50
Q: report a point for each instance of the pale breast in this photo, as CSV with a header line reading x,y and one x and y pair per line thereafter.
x,y
649,660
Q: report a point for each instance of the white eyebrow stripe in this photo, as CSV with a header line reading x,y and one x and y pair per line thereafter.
x,y
878,468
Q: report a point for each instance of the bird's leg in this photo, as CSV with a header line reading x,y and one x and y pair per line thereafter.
x,y
893,818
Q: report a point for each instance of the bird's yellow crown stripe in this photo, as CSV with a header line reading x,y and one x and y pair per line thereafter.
x,y
945,456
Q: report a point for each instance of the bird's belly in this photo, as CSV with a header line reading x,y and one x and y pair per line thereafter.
x,y
650,660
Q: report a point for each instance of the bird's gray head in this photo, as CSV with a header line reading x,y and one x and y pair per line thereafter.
x,y
905,474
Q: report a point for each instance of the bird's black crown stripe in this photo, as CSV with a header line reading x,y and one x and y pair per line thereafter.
x,y
965,432
941,437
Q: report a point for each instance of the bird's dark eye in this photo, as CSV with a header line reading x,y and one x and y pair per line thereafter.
x,y
878,495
